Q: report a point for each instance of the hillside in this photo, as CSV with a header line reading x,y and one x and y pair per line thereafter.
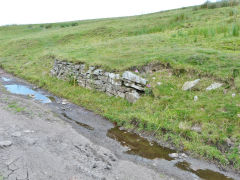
x,y
197,42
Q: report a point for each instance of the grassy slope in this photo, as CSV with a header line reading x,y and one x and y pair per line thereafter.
x,y
206,40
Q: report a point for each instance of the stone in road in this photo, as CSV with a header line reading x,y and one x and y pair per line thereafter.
x,y
46,147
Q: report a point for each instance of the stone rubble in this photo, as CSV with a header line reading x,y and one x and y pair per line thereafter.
x,y
128,86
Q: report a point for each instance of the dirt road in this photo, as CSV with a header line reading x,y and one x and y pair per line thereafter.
x,y
41,140
46,147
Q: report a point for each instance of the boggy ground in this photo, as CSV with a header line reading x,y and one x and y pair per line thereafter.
x,y
60,140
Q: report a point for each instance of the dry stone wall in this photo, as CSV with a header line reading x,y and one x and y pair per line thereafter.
x,y
128,85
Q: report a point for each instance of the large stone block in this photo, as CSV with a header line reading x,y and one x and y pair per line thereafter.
x,y
190,84
127,75
133,85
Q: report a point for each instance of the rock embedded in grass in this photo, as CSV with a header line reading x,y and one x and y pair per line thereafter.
x,y
214,86
195,98
197,128
190,84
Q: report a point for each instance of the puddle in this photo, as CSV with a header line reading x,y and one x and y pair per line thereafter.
x,y
79,123
202,173
6,79
140,146
24,90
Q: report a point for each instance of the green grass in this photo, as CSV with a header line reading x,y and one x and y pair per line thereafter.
x,y
16,107
204,42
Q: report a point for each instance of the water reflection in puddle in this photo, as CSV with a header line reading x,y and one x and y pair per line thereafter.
x,y
140,146
24,90
202,173
6,79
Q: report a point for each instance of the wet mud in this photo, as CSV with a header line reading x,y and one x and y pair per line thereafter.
x,y
202,173
140,146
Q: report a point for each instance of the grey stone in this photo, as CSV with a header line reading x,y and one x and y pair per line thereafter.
x,y
132,97
195,98
183,155
127,75
82,82
5,143
91,68
113,76
133,85
174,155
190,84
114,79
30,141
28,131
64,102
196,128
214,86
89,83
103,78
98,72
16,134
77,67
121,94
229,142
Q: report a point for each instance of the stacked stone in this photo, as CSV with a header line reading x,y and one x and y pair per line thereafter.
x,y
128,85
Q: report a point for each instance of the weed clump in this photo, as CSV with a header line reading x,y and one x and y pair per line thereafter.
x,y
74,24
235,30
48,26
198,59
180,17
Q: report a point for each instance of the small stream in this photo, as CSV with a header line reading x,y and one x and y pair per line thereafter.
x,y
136,145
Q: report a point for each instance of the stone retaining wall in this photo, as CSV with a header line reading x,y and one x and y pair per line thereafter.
x,y
128,85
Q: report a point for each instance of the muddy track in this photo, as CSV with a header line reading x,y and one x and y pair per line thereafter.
x,y
54,139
